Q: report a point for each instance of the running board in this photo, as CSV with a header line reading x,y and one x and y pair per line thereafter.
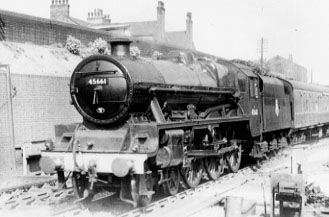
x,y
206,153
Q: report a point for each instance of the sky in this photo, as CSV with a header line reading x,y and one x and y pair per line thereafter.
x,y
226,28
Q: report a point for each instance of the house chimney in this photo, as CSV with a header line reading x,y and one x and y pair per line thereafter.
x,y
97,17
60,10
189,28
160,30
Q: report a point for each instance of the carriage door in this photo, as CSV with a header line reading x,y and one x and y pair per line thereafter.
x,y
255,106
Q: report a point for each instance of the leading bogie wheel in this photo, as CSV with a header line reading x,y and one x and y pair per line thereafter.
x,y
172,177
80,186
142,200
192,174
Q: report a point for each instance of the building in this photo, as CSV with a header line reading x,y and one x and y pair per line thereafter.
x,y
287,68
153,30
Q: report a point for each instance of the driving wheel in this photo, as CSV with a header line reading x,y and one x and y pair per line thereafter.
x,y
234,159
142,199
214,167
80,186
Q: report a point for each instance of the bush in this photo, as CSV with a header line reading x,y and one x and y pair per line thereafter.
x,y
157,55
99,46
73,45
135,51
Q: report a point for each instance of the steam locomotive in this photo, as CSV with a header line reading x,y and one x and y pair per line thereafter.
x,y
148,123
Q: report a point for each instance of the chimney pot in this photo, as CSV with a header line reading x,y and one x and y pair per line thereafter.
x,y
189,15
160,4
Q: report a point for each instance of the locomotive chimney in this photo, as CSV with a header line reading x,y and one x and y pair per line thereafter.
x,y
120,47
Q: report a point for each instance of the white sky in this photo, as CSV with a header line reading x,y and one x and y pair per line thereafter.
x,y
226,28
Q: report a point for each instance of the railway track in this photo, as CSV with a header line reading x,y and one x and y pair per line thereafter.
x,y
24,182
162,206
60,203
53,202
34,195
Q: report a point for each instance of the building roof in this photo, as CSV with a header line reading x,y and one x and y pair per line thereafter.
x,y
112,26
178,38
79,22
45,20
108,27
74,21
144,28
284,60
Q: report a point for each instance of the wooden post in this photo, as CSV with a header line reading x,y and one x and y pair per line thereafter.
x,y
233,206
298,159
12,157
293,162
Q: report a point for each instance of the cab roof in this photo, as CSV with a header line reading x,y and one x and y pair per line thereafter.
x,y
308,87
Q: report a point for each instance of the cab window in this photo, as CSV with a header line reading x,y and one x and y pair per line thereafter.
x,y
253,88
242,82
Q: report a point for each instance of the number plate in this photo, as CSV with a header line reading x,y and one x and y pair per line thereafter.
x,y
97,81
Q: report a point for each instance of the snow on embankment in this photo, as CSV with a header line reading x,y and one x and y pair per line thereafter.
x,y
25,58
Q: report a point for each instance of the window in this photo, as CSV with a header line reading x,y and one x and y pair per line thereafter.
x,y
253,88
242,82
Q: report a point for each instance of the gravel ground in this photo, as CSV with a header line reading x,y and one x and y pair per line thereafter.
x,y
314,159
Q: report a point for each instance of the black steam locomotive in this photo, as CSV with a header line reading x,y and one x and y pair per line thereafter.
x,y
150,122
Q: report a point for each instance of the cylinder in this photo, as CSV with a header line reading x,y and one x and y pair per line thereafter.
x,y
233,206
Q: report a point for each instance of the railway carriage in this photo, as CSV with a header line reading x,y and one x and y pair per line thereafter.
x,y
149,123
310,110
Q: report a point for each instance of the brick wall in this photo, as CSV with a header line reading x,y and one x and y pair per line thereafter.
x,y
40,103
23,28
